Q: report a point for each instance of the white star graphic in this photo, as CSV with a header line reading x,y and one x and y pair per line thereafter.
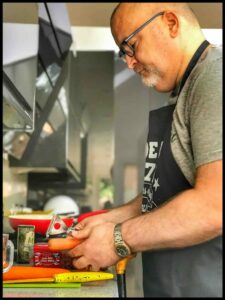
x,y
156,183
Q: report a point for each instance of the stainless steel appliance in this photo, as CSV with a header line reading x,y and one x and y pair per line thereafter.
x,y
57,143
20,50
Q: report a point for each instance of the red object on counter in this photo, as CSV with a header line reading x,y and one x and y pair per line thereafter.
x,y
91,213
40,221
44,257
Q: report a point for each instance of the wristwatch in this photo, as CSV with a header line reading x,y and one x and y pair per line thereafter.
x,y
122,249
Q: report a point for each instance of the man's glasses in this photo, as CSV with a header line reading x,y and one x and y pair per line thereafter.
x,y
125,48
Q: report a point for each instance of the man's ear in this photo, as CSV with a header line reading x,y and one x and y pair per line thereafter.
x,y
172,22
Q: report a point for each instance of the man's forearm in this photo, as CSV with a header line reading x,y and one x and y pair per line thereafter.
x,y
126,211
186,220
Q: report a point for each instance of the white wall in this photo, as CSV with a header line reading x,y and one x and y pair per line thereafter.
x,y
100,38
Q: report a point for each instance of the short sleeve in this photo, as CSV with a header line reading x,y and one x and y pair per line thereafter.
x,y
206,114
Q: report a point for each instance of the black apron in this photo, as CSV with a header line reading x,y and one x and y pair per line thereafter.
x,y
194,271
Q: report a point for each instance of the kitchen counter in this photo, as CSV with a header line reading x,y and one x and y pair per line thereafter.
x,y
95,289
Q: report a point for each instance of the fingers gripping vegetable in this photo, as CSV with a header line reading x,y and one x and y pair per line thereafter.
x,y
60,244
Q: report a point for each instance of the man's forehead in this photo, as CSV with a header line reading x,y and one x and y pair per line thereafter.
x,y
122,28
127,18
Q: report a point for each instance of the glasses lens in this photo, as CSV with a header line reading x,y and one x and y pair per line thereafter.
x,y
126,50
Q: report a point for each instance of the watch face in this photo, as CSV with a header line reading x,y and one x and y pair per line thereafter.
x,y
122,251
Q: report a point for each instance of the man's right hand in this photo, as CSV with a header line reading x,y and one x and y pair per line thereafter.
x,y
92,221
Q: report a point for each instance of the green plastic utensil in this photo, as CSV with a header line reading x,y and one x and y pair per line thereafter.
x,y
42,285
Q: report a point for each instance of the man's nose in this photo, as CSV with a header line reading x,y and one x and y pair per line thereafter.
x,y
131,61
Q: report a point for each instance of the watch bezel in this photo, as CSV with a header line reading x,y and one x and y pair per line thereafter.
x,y
124,248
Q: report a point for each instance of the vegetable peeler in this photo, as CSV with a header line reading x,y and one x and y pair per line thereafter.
x,y
58,228
60,239
58,233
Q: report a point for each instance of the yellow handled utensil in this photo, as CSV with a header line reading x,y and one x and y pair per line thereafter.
x,y
121,275
82,276
68,277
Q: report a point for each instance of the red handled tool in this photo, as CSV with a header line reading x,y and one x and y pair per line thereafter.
x,y
90,213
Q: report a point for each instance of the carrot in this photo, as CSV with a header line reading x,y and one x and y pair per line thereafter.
x,y
60,244
29,272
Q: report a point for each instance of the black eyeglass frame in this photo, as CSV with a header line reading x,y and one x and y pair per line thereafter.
x,y
122,52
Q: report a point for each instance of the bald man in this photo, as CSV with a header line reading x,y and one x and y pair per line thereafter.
x,y
176,221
